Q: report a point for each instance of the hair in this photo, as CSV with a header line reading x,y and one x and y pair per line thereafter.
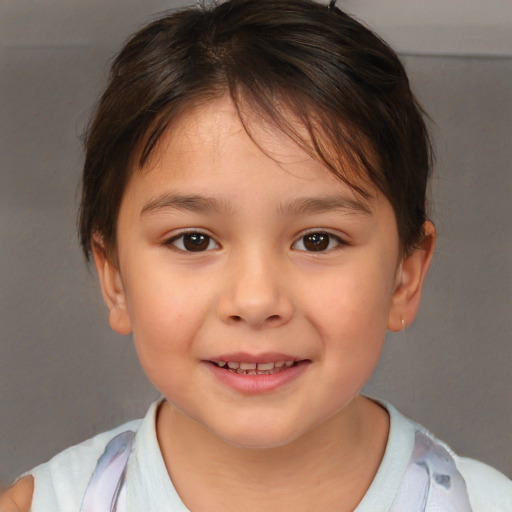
x,y
314,72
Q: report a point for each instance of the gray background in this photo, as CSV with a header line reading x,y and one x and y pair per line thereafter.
x,y
64,376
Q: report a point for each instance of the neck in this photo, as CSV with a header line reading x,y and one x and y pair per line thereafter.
x,y
329,467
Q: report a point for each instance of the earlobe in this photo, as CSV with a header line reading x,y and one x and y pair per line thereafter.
x,y
410,277
112,289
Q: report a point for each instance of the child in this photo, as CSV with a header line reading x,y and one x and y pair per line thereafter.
x,y
254,200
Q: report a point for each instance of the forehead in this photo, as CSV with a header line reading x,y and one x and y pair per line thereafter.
x,y
204,135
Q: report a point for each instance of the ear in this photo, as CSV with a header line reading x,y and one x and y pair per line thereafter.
x,y
409,281
112,289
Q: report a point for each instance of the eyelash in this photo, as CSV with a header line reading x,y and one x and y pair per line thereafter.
x,y
203,238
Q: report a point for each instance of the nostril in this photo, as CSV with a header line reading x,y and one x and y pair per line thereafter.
x,y
270,319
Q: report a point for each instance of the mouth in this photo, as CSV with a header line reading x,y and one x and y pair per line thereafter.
x,y
264,368
257,374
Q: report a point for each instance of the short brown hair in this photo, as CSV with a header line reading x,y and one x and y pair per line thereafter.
x,y
344,85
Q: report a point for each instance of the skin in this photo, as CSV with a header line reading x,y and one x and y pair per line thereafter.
x,y
257,289
19,497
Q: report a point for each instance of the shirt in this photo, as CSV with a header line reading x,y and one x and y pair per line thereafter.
x,y
61,483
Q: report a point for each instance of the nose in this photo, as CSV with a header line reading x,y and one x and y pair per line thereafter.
x,y
254,293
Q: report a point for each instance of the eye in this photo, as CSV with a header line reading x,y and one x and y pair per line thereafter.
x,y
317,242
193,242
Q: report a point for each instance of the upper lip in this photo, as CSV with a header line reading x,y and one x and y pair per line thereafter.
x,y
244,357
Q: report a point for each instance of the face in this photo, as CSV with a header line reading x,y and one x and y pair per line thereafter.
x,y
257,285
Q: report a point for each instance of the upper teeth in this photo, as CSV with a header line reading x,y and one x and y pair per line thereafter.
x,y
235,365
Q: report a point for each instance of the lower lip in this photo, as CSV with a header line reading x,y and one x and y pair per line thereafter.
x,y
257,384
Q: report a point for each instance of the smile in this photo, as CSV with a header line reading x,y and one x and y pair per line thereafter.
x,y
255,368
254,374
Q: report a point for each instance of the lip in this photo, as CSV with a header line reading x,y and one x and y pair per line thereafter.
x,y
256,384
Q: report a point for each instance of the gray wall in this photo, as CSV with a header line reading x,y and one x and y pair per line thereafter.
x,y
64,376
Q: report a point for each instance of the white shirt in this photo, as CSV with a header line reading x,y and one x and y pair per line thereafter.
x,y
60,483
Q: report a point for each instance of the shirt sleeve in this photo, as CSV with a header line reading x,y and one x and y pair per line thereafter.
x,y
488,489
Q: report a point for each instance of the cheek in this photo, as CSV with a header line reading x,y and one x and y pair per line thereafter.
x,y
351,320
355,301
163,337
166,314
354,341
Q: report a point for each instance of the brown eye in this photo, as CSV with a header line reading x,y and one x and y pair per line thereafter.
x,y
317,242
196,242
193,242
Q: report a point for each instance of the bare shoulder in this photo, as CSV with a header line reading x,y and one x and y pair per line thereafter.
x,y
18,498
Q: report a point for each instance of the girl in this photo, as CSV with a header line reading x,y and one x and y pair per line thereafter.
x,y
254,201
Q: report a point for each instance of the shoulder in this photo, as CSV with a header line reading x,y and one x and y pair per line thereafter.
x,y
488,489
19,497
61,482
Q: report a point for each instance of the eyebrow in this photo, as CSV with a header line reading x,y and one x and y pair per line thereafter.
x,y
299,206
312,205
193,203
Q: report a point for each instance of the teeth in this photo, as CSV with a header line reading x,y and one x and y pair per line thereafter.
x,y
247,366
256,368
